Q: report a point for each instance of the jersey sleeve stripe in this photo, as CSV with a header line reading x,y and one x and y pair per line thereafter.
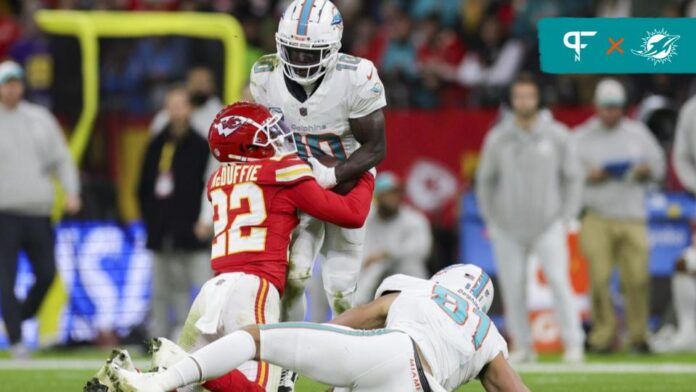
x,y
293,173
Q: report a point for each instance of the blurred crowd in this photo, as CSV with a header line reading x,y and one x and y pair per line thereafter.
x,y
431,53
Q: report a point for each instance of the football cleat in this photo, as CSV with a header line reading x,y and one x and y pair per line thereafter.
x,y
165,353
94,385
124,380
287,381
120,357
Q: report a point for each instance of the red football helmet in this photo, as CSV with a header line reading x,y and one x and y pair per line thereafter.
x,y
249,131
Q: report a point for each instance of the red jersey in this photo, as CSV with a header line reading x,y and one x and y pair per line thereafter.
x,y
256,210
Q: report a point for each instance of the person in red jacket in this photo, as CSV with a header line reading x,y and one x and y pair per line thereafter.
x,y
256,195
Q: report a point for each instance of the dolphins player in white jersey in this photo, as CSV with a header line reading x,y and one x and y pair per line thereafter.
x,y
333,102
432,335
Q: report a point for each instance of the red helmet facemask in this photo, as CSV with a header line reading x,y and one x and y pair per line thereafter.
x,y
248,131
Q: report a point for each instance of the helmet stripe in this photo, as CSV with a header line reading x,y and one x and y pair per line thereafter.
x,y
304,17
480,284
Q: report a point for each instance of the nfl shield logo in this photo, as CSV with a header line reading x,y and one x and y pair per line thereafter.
x,y
303,112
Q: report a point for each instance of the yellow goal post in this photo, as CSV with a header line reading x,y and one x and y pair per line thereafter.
x,y
88,27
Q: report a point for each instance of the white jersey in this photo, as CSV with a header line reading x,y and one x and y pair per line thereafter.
x,y
350,89
456,339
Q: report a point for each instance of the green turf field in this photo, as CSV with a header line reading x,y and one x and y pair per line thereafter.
x,y
607,373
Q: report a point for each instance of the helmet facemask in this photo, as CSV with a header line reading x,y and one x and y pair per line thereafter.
x,y
273,132
306,63
276,134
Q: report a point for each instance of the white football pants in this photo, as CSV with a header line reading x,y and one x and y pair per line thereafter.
x,y
342,251
368,361
227,303
684,298
512,258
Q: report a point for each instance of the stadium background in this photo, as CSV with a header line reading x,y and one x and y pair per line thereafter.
x,y
435,129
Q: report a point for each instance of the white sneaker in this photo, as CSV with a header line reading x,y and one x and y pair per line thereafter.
x,y
165,353
123,380
683,342
522,356
574,355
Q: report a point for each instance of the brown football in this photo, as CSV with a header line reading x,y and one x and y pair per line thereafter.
x,y
341,188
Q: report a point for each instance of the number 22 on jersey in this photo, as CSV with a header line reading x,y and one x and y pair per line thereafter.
x,y
243,234
458,309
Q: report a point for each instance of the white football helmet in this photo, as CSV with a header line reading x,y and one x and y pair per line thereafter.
x,y
308,39
468,280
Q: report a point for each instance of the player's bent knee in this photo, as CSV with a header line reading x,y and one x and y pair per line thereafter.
x,y
254,331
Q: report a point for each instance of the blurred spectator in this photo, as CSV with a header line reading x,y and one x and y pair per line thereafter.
x,y
439,47
33,153
31,50
528,188
683,337
10,32
398,239
200,84
684,278
684,157
491,64
613,8
398,66
621,158
171,183
155,63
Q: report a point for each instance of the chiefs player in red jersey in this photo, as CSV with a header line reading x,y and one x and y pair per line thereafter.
x,y
256,194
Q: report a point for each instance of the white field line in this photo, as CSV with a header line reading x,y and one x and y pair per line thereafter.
x,y
613,367
60,364
548,368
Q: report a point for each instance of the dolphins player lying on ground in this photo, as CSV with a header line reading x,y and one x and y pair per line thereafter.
x,y
433,335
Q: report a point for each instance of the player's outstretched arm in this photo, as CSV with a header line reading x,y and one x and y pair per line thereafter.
x,y
372,315
370,133
348,211
499,376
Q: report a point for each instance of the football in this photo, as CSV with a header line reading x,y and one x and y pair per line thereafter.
x,y
342,188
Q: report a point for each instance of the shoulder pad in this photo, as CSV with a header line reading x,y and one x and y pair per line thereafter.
x,y
285,171
366,71
401,282
261,71
265,64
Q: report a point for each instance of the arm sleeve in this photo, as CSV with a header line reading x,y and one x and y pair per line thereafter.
x,y
65,168
485,178
470,72
505,68
572,176
655,157
348,211
493,345
683,157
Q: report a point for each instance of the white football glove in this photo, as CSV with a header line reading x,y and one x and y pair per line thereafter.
x,y
325,176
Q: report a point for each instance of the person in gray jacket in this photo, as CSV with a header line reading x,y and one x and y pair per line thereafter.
x,y
528,187
33,152
620,158
684,276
